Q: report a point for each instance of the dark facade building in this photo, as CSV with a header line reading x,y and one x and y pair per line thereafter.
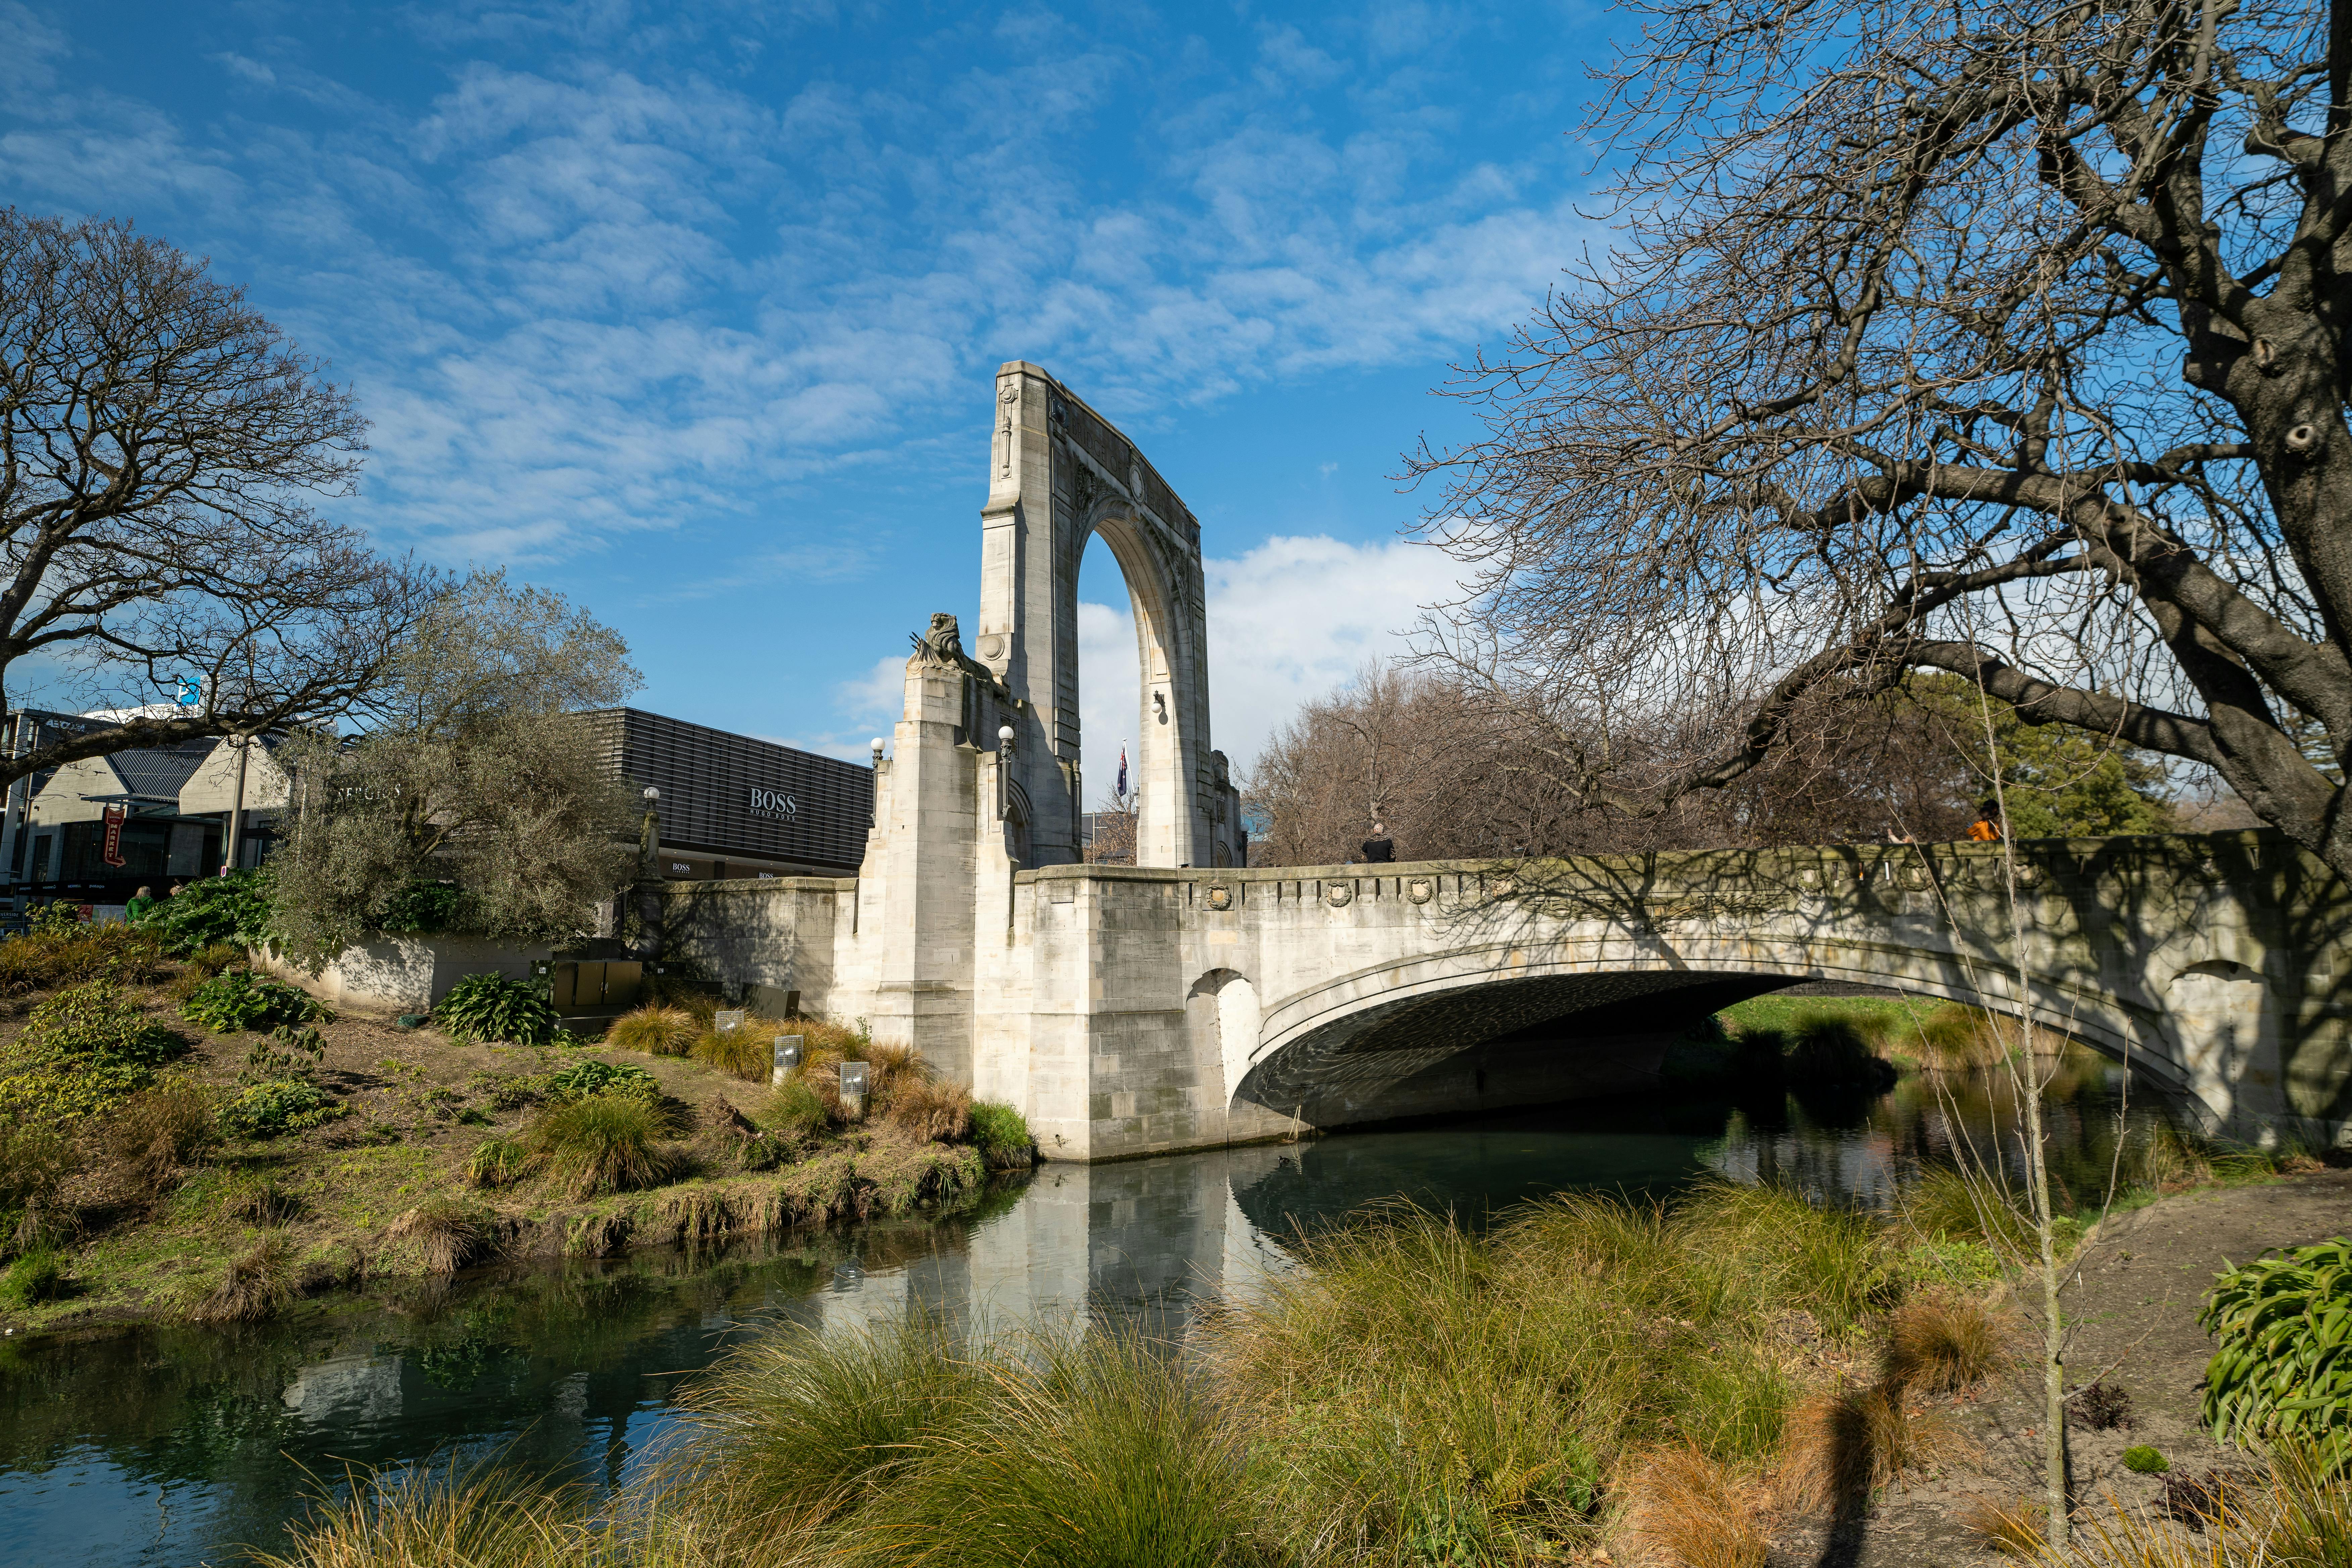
x,y
735,807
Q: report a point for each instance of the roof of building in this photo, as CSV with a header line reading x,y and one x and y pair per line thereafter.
x,y
159,772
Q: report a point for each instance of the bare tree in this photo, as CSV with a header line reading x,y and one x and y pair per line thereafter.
x,y
159,443
2004,340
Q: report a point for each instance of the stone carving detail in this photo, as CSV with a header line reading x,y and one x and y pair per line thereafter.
x,y
1220,897
1421,889
1009,400
1338,895
942,647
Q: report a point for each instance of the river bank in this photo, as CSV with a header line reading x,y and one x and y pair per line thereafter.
x,y
137,1181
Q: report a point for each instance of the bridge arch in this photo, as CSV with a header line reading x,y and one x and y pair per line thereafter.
x,y
1377,1042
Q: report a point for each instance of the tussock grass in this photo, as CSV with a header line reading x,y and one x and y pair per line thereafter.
x,y
257,1284
43,960
481,1518
1683,1509
499,1163
602,1143
2012,1526
151,1135
656,1030
1943,1345
451,1234
747,1051
1847,1444
265,1202
928,1108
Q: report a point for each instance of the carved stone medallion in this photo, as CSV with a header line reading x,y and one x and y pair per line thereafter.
x,y
1221,897
1339,894
1420,889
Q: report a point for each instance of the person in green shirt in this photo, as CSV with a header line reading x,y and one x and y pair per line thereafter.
x,y
139,903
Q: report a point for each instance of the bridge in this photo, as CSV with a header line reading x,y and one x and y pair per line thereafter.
x,y
1188,1002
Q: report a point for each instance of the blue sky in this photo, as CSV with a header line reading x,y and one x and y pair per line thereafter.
x,y
691,312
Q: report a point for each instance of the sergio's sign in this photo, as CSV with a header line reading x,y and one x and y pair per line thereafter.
x,y
773,803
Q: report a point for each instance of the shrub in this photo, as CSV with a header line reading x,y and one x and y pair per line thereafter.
x,y
450,1234
497,1007
33,1279
601,1143
274,1109
1942,1346
158,1130
238,999
2141,1459
1001,1135
498,1162
589,1075
255,1285
68,953
2281,1372
658,1031
2102,1406
425,906
211,912
83,1050
210,960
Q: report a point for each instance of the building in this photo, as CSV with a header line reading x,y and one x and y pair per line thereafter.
x,y
96,830
735,807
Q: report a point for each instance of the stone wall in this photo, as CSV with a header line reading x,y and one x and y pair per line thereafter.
x,y
405,973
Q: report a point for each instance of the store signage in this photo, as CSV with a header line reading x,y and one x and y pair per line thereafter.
x,y
773,805
113,817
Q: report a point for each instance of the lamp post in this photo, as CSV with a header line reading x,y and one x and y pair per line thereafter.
x,y
649,894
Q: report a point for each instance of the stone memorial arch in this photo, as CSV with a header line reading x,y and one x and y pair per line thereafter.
x,y
1059,473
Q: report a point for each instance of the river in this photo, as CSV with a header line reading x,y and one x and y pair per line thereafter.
x,y
176,1445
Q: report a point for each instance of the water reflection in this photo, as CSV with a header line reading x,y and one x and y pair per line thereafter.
x,y
171,1444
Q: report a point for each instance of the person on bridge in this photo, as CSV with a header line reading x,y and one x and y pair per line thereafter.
x,y
1379,849
1986,828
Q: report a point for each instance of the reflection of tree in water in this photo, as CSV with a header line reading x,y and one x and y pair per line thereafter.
x,y
1865,1152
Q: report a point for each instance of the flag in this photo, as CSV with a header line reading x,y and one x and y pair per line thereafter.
x,y
1122,790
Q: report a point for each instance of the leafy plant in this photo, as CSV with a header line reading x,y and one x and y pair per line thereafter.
x,y
237,999
212,911
425,907
588,1076
2141,1459
2283,1372
497,1007
273,1110
287,1051
86,1049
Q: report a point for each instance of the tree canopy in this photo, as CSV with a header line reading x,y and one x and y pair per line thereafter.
x,y
2007,341
161,444
479,803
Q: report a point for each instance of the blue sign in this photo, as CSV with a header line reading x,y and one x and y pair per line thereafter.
x,y
192,691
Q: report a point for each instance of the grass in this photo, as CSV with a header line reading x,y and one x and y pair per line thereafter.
x,y
1682,1508
1001,1135
602,1143
450,1234
36,1276
1944,1345
657,1030
257,1284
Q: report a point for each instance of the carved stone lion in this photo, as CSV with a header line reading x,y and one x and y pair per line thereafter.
x,y
942,645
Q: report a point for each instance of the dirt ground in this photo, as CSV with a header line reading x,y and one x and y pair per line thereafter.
x,y
2135,1310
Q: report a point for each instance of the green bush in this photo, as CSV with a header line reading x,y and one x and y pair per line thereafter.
x,y
273,1110
213,910
589,1075
37,1277
497,1007
237,999
2283,1372
2142,1460
425,907
86,1049
1000,1135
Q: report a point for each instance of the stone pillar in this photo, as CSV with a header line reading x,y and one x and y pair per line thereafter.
x,y
920,871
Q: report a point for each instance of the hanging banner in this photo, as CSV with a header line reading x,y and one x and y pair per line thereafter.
x,y
114,816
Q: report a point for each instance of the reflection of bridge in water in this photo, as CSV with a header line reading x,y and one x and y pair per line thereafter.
x,y
1186,1003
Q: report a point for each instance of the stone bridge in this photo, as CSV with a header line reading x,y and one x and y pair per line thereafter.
x,y
1134,1010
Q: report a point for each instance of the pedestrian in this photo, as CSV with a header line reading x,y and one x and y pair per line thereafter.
x,y
1379,849
135,909
173,890
1986,828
